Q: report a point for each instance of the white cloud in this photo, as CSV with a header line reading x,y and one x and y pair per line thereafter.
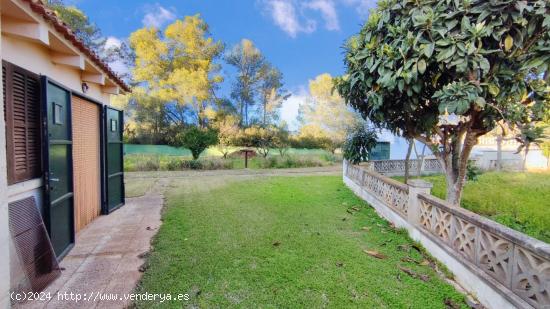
x,y
285,17
118,66
157,16
291,107
328,11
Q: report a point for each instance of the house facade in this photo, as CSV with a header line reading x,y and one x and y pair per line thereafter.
x,y
60,141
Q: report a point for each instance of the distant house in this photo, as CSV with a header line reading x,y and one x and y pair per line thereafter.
x,y
60,142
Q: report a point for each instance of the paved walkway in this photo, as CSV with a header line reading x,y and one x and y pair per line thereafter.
x,y
107,255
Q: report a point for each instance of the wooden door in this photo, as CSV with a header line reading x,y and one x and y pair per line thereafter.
x,y
86,157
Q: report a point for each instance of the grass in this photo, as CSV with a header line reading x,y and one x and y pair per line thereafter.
x,y
286,242
136,188
517,200
154,162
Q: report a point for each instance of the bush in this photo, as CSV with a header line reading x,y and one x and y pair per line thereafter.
x,y
147,163
291,162
472,171
197,140
359,144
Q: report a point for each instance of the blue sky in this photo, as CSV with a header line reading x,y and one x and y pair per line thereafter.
x,y
302,38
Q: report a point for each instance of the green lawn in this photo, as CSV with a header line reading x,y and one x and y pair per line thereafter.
x,y
284,242
518,200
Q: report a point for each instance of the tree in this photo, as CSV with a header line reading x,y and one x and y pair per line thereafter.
x,y
530,135
249,62
258,137
281,139
91,35
271,93
197,140
228,130
312,136
327,111
359,144
445,72
178,65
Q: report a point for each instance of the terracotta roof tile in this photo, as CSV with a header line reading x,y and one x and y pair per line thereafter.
x,y
38,7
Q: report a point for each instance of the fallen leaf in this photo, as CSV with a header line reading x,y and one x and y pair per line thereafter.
x,y
339,264
277,243
365,228
425,263
355,208
413,274
375,254
409,260
450,304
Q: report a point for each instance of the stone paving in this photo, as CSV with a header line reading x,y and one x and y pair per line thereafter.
x,y
108,255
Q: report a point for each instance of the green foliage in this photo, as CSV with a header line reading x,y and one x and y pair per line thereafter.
x,y
414,61
358,145
197,140
472,171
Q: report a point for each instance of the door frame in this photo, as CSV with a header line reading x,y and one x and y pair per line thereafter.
x,y
45,80
105,209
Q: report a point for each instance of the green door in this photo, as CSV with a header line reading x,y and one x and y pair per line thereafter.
x,y
58,175
114,159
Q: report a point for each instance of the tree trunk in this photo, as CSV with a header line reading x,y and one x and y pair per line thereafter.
x,y
499,153
408,159
524,164
454,159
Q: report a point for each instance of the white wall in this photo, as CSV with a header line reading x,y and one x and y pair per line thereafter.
x,y
4,224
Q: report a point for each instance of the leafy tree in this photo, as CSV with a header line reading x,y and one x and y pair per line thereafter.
x,y
271,93
197,140
258,137
178,65
281,140
249,62
358,145
530,135
444,72
327,112
228,131
90,34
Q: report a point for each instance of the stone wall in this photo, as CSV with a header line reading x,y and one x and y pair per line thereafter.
x,y
501,267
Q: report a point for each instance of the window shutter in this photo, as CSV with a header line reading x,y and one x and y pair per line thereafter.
x,y
22,110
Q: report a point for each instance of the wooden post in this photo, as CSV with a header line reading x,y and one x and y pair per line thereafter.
x,y
246,159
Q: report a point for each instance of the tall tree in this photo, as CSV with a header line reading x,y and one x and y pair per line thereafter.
x,y
179,65
444,72
326,110
91,35
272,94
249,62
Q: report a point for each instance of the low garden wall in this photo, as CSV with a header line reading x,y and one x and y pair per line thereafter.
x,y
501,267
397,167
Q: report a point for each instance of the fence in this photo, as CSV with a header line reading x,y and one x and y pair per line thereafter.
x,y
397,167
514,268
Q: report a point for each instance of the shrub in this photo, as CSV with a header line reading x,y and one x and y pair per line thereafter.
x,y
358,145
197,140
